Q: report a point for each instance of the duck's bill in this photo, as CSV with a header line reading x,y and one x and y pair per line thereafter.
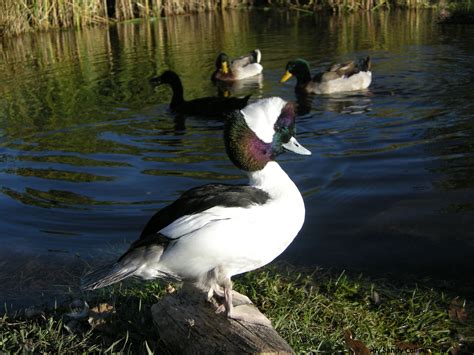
x,y
285,77
155,80
225,67
295,147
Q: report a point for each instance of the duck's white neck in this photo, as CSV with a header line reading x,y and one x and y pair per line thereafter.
x,y
271,177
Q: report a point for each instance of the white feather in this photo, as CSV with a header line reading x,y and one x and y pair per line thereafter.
x,y
357,81
247,71
241,239
262,115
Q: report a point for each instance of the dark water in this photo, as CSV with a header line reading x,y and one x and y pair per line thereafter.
x,y
88,151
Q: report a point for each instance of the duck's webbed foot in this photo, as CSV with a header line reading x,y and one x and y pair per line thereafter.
x,y
239,307
237,298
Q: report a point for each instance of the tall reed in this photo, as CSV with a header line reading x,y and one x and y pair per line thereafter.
x,y
17,16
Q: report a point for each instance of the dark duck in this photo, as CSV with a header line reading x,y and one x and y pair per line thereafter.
x,y
205,106
216,231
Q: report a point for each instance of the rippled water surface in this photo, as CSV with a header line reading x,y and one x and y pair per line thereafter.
x,y
88,151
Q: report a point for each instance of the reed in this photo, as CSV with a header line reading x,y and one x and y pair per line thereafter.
x,y
17,16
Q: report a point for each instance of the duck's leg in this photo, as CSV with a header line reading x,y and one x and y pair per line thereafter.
x,y
243,312
238,299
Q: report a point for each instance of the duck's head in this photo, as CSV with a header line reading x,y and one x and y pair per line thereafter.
x,y
260,132
299,68
222,63
167,77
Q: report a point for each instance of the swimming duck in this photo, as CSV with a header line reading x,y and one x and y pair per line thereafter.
x,y
239,68
205,106
338,78
216,231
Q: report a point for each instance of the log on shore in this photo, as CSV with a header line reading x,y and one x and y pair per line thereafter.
x,y
187,323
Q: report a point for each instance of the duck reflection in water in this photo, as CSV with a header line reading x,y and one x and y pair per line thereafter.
x,y
353,103
239,88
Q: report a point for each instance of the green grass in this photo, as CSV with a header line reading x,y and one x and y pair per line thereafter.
x,y
310,310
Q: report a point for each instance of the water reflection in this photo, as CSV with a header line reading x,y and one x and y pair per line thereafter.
x,y
354,103
88,151
249,86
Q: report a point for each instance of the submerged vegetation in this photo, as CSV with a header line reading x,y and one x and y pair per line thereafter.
x,y
314,312
18,16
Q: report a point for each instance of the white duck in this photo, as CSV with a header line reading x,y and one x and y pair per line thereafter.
x,y
216,231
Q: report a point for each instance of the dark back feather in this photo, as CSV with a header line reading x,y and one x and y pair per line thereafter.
x,y
203,198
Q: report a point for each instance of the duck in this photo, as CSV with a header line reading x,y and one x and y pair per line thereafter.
x,y
216,231
338,78
205,106
240,68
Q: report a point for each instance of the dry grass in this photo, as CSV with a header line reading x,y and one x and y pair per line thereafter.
x,y
18,16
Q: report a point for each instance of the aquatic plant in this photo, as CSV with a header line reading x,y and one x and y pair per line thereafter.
x,y
18,16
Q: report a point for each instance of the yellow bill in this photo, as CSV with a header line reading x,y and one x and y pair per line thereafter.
x,y
225,67
285,77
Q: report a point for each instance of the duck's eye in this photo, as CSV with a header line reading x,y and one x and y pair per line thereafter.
x,y
283,132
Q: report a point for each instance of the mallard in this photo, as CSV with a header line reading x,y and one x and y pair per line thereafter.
x,y
205,106
239,68
338,78
216,231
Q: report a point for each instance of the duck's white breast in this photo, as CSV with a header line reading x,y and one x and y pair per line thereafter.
x,y
241,239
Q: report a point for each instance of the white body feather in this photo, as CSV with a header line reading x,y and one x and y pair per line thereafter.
x,y
357,81
247,71
234,240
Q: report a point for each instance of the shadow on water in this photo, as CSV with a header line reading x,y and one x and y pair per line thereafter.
x,y
88,150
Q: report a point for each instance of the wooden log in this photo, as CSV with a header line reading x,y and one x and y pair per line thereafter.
x,y
188,324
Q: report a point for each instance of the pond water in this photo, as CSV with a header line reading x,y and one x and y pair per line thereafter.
x,y
88,151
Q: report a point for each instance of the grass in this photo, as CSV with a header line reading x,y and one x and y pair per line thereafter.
x,y
312,311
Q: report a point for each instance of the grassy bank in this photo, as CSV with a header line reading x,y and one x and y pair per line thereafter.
x,y
313,311
18,16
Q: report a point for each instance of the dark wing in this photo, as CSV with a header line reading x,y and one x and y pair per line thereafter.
x,y
351,68
203,198
152,245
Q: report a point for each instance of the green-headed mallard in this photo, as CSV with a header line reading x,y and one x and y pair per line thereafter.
x,y
239,68
338,78
204,106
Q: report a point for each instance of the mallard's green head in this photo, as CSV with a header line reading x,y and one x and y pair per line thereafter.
x,y
222,63
299,68
260,132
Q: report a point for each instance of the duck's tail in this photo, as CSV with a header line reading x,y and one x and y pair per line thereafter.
x,y
365,64
141,260
256,55
245,100
107,275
